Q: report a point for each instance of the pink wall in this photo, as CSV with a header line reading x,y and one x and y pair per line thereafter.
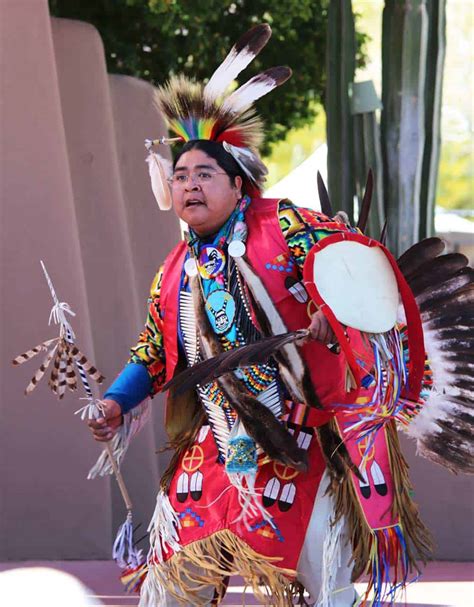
x,y
75,192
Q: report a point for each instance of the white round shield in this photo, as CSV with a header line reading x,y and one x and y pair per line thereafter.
x,y
359,285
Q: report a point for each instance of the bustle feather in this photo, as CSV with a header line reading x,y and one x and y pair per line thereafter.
x,y
444,290
414,257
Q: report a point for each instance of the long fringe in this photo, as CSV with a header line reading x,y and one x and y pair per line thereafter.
x,y
420,544
400,547
331,561
209,561
133,422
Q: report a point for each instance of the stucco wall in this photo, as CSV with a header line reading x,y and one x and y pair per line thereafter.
x,y
75,193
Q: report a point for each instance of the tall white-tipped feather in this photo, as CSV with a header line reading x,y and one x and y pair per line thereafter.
x,y
239,57
160,171
256,87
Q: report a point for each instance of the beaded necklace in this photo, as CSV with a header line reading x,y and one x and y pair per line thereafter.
x,y
212,265
227,305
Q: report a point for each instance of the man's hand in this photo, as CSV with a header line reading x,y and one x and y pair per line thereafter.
x,y
104,428
321,329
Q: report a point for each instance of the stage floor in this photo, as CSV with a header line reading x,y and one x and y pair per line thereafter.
x,y
444,584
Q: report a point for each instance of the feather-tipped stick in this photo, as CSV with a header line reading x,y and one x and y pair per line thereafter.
x,y
366,202
418,254
66,353
240,55
256,352
326,207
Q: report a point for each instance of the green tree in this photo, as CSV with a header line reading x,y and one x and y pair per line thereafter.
x,y
155,38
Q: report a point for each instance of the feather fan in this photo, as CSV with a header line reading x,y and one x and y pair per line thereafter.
x,y
443,286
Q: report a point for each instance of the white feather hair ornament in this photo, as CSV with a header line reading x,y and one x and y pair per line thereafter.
x,y
245,158
160,171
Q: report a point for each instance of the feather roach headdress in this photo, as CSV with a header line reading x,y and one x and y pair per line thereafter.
x,y
197,111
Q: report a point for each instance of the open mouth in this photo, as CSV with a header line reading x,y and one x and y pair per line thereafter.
x,y
193,203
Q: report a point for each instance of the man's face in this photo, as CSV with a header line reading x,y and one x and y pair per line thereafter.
x,y
204,206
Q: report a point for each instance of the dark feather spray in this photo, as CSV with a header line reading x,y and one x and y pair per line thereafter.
x,y
443,286
260,423
244,356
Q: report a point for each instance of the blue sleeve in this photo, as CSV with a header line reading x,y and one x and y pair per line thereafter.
x,y
131,387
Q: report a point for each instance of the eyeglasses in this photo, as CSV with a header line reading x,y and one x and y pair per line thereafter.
x,y
180,180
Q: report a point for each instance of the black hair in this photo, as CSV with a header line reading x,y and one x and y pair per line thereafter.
x,y
216,151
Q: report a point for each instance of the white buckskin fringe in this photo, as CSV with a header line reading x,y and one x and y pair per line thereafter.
x,y
331,561
207,562
152,593
133,422
163,529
